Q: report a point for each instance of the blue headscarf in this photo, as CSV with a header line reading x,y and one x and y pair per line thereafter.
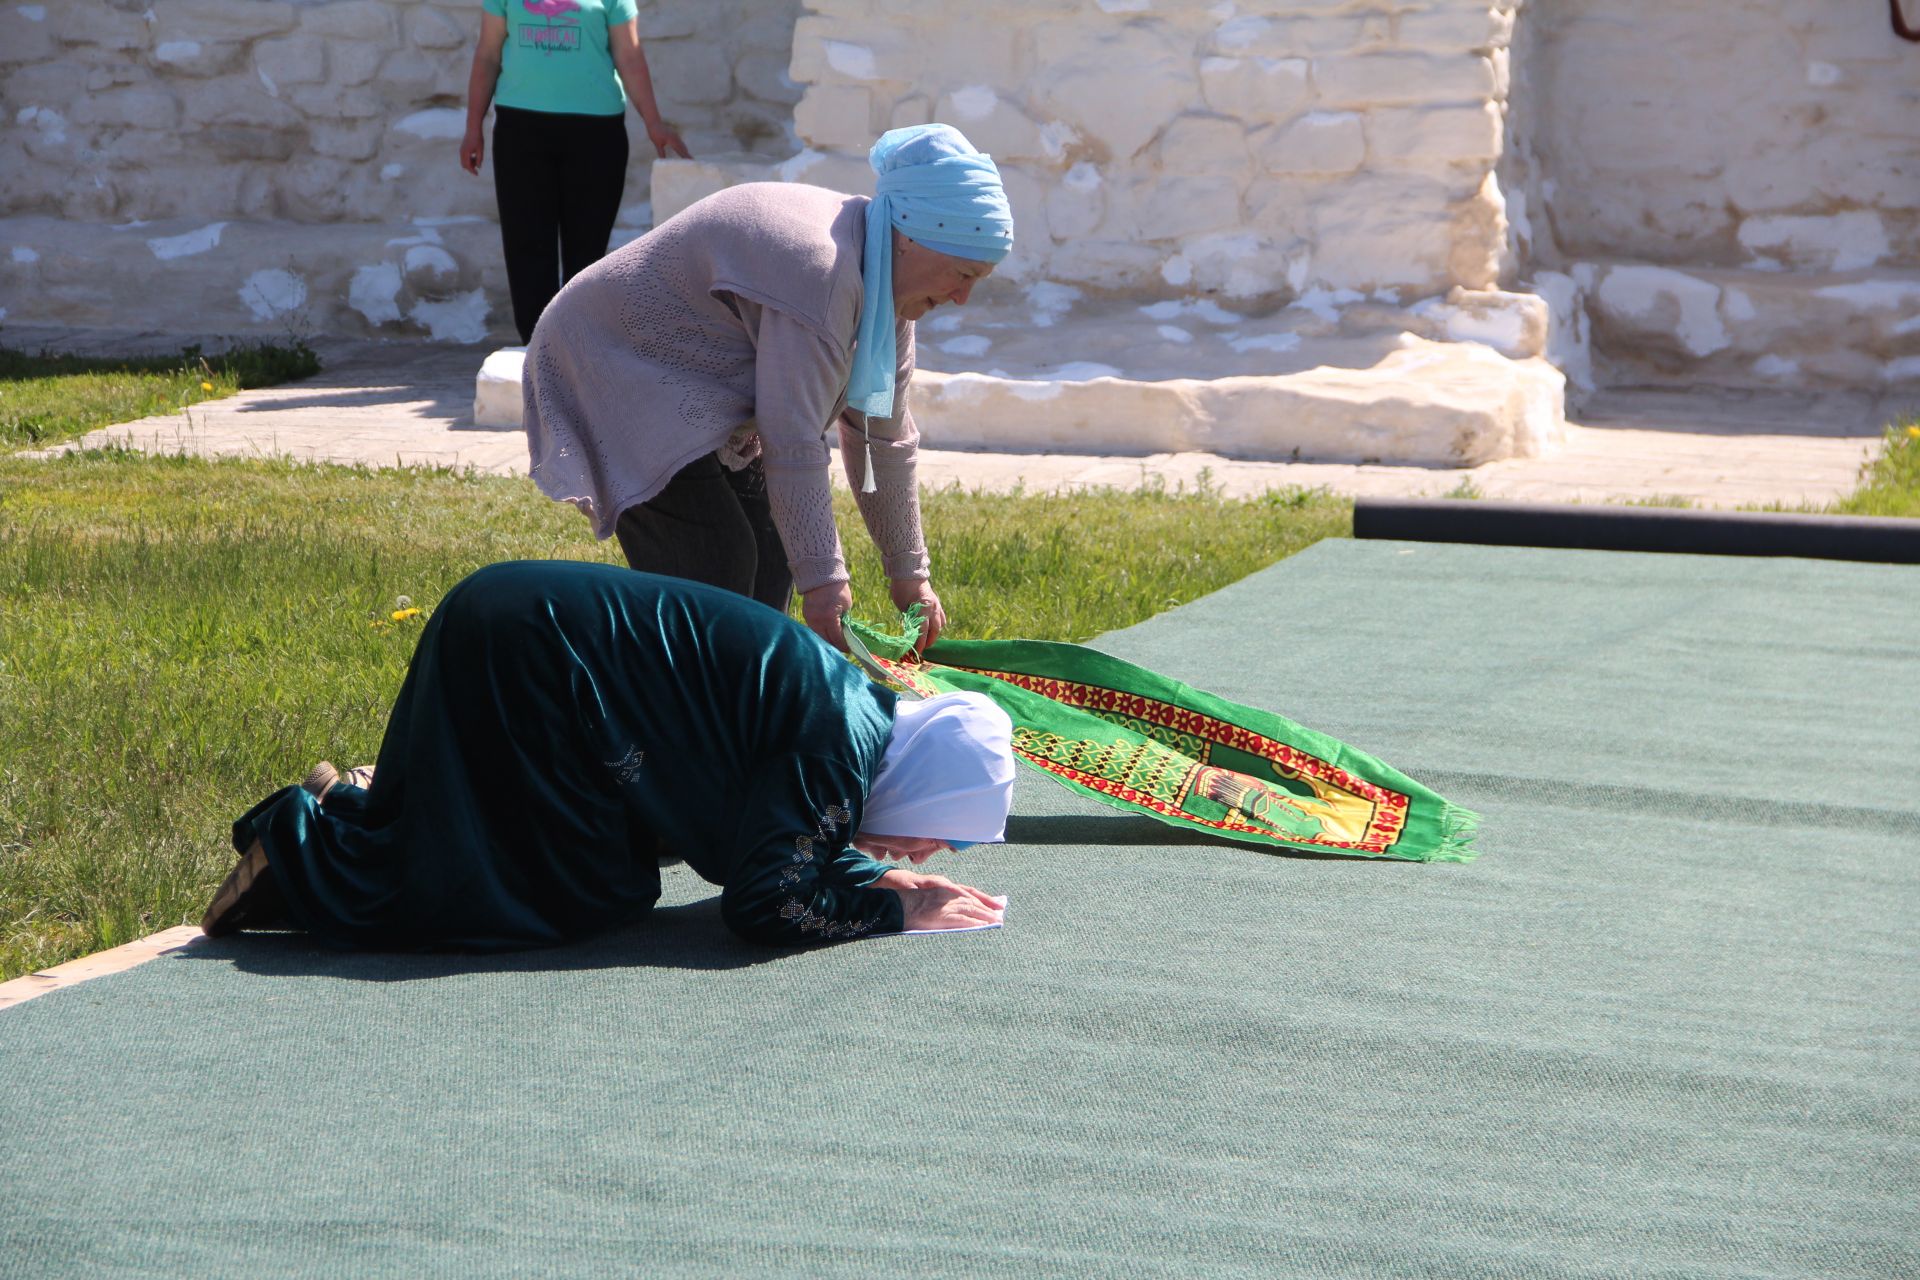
x,y
942,194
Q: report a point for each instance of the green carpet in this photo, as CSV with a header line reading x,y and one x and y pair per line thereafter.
x,y
1664,1026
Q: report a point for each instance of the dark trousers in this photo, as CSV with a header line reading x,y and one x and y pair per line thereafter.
x,y
714,526
558,179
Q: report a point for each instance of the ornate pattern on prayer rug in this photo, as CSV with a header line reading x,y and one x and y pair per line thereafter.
x,y
1139,741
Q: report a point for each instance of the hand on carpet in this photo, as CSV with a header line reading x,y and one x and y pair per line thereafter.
x,y
935,902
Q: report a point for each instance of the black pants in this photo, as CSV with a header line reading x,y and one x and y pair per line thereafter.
x,y
558,179
714,526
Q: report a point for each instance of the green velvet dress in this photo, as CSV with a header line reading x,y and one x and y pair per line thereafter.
x,y
563,726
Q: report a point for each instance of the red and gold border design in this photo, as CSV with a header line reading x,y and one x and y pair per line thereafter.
x,y
1389,807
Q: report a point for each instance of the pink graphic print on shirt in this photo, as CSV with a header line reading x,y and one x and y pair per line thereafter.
x,y
551,37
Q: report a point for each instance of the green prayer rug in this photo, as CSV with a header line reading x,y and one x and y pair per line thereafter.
x,y
1140,741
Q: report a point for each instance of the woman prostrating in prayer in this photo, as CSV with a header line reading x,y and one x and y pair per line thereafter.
x,y
680,389
566,728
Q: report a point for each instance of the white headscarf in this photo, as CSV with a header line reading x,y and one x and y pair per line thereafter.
x,y
947,773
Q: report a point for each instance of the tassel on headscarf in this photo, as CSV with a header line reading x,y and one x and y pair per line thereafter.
x,y
866,482
941,193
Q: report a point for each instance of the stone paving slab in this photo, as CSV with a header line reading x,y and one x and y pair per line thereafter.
x,y
394,404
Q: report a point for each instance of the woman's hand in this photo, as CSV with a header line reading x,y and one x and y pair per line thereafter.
x,y
473,149
822,607
935,902
665,138
908,592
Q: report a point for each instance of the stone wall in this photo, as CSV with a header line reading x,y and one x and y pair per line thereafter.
x,y
1731,190
1252,149
1703,191
214,165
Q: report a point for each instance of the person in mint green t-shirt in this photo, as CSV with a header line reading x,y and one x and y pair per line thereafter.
x,y
558,75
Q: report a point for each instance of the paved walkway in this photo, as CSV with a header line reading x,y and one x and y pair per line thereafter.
x,y
412,404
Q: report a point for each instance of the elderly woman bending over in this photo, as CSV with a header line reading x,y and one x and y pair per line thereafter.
x,y
679,391
566,728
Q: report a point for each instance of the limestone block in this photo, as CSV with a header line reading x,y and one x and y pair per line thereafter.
x,y
764,128
410,73
1282,208
298,59
1077,202
430,271
670,21
965,50
1436,135
28,41
763,73
323,189
212,20
351,62
1835,242
1172,209
1514,324
1032,240
910,111
349,19
1457,28
496,389
197,59
679,183
1203,145
1320,142
1374,79
1255,89
1106,263
238,142
100,79
1479,229
139,108
1659,303
687,72
1257,36
845,171
835,115
241,100
1241,265
1383,231
100,26
1569,346
195,187
760,25
428,28
357,141
327,102
993,124
39,99
829,52
1118,87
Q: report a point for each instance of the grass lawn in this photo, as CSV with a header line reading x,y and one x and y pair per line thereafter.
x,y
45,399
1889,482
179,637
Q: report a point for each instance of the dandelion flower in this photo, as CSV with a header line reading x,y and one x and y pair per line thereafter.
x,y
1913,433
205,385
401,615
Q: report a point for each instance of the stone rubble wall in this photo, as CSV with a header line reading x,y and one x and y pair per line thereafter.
x,y
1255,150
214,165
1727,193
1633,190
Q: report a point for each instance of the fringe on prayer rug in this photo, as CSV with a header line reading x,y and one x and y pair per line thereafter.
x,y
1139,741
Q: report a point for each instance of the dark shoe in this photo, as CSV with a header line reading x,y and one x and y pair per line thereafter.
x,y
249,898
